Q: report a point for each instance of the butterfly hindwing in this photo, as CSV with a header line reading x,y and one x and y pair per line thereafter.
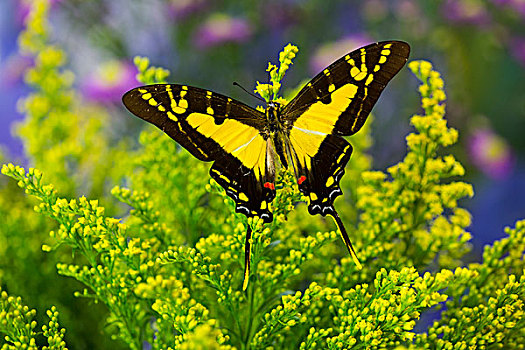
x,y
213,127
318,177
252,196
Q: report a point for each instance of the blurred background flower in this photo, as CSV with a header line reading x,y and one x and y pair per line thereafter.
x,y
471,12
329,52
109,81
517,6
491,153
219,29
21,9
518,49
13,69
281,15
181,9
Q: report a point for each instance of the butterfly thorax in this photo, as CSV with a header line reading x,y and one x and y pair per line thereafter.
x,y
277,132
273,117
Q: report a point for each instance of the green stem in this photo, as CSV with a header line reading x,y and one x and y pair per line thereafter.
x,y
248,336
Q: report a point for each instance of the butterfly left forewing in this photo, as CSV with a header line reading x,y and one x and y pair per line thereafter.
x,y
216,128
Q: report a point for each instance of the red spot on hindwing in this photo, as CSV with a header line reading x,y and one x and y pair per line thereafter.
x,y
269,185
301,179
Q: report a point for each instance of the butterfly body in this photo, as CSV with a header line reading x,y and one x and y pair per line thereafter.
x,y
276,134
246,145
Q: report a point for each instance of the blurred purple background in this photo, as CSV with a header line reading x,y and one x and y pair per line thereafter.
x,y
12,67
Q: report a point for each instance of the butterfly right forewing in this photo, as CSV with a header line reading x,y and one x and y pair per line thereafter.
x,y
347,90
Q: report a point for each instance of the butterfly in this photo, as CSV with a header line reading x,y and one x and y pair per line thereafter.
x,y
246,145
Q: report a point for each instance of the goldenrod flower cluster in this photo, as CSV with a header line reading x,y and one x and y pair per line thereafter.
x,y
270,91
19,328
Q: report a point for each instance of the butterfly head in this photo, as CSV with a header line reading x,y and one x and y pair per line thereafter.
x,y
273,115
274,105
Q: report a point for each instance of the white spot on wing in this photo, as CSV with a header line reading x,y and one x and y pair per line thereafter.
x,y
310,131
242,146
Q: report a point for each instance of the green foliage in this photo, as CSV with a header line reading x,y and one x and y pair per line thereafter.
x,y
487,311
169,273
19,327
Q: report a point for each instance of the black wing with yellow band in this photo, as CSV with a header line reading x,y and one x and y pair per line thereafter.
x,y
336,103
339,99
213,127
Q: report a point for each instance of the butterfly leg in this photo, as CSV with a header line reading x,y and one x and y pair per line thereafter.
x,y
247,257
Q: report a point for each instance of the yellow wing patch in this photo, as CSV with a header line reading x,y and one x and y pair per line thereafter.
x,y
321,117
241,141
311,128
305,144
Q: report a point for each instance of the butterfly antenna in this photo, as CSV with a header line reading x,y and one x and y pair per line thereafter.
x,y
248,92
348,244
247,257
